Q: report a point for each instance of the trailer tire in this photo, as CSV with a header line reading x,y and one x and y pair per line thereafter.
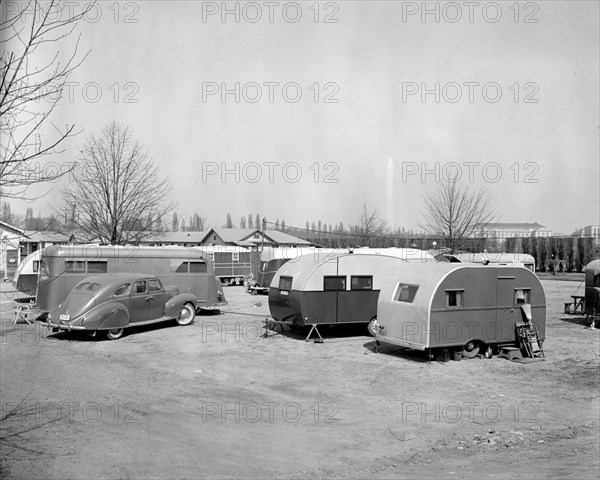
x,y
372,326
471,349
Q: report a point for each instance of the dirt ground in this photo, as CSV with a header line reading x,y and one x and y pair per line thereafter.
x,y
216,400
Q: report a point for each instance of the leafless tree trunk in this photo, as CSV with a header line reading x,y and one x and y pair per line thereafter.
x,y
454,212
372,225
30,88
117,190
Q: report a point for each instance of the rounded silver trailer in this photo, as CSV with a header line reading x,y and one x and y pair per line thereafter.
x,y
458,306
330,290
592,288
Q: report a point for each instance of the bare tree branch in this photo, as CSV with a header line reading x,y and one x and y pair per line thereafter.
x,y
454,212
117,193
30,90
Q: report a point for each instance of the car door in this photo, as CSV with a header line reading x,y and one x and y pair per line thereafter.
x,y
157,299
138,302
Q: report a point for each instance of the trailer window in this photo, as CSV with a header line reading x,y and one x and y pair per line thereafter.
x,y
361,283
597,280
285,283
522,296
179,266
74,266
97,266
406,293
198,267
36,266
122,290
334,283
454,298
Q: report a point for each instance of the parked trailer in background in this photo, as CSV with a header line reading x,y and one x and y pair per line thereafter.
x,y
233,264
504,259
26,275
592,288
452,305
63,266
339,289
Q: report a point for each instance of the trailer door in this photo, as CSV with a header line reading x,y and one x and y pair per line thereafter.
x,y
505,317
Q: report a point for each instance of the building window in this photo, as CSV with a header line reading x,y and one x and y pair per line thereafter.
x,y
334,283
405,293
522,296
285,283
235,256
454,298
361,283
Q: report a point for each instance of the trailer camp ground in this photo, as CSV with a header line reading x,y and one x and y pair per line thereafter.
x,y
223,402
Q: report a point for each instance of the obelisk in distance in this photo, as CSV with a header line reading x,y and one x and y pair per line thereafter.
x,y
389,195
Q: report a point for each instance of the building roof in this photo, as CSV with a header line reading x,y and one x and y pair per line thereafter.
x,y
176,237
515,226
42,237
9,228
250,237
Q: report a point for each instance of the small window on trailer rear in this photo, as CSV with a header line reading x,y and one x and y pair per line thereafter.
x,y
455,298
285,283
522,296
334,283
405,292
36,266
361,282
179,266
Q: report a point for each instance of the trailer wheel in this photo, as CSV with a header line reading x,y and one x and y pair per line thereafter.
x,y
372,326
471,349
114,333
187,315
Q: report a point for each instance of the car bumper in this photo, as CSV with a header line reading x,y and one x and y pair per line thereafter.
x,y
64,326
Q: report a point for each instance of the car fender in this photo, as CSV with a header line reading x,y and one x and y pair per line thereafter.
x,y
174,304
109,315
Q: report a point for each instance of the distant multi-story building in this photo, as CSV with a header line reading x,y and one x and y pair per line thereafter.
x,y
592,231
502,231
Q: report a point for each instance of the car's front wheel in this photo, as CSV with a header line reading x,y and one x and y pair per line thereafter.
x,y
187,314
114,333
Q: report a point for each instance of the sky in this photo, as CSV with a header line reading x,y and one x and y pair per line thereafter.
x,y
293,109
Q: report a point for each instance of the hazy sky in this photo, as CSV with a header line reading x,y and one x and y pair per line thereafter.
x,y
293,109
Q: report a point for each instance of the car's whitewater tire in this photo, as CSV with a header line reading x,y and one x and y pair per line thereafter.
x,y
114,333
187,315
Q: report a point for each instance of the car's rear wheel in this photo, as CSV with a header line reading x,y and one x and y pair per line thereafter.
x,y
187,314
114,333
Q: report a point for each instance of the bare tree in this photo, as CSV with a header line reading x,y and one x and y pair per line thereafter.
x,y
31,87
117,188
372,225
454,212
